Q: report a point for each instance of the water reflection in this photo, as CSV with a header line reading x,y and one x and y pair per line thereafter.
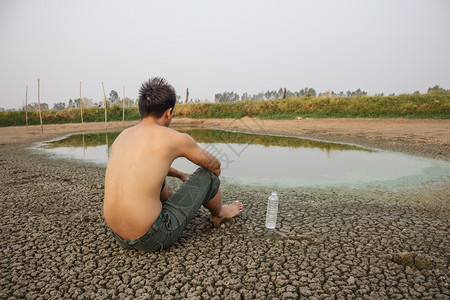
x,y
207,136
277,160
108,146
86,140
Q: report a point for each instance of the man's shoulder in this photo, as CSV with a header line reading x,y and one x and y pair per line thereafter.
x,y
158,133
167,135
169,131
152,129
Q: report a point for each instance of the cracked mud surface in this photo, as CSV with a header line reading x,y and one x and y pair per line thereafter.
x,y
328,244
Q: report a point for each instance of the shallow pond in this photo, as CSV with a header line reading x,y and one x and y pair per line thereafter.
x,y
268,160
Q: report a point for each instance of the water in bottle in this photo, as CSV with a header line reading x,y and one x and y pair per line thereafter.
x,y
272,209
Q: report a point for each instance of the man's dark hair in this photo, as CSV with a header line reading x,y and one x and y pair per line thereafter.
x,y
155,97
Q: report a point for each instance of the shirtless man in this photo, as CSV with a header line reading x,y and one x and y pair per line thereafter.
x,y
142,211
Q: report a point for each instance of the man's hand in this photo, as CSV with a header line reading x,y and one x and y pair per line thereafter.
x,y
178,174
184,176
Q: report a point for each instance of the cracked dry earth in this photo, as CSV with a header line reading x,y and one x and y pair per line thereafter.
x,y
328,244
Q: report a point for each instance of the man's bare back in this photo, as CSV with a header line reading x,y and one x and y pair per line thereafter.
x,y
140,160
142,214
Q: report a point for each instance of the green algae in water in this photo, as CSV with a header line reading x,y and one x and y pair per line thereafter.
x,y
278,161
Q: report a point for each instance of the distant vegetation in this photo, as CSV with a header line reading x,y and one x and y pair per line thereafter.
x,y
283,93
402,106
72,115
435,104
305,92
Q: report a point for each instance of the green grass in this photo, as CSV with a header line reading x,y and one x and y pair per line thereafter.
x,y
434,106
93,114
402,106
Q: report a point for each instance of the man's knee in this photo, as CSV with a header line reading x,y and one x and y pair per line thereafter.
x,y
208,177
212,177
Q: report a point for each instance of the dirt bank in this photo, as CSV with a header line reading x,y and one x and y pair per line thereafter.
x,y
328,244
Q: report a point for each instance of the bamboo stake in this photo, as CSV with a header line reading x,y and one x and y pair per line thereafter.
x,y
39,102
104,97
123,106
81,105
26,107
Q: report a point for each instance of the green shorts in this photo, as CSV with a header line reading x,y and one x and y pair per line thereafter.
x,y
176,212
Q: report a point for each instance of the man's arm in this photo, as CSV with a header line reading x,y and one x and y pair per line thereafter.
x,y
189,149
178,174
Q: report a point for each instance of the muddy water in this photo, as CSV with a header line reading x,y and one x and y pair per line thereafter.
x,y
266,160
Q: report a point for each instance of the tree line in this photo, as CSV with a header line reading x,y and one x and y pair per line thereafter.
x,y
306,92
115,100
282,93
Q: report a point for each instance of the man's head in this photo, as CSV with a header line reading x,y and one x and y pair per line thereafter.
x,y
156,96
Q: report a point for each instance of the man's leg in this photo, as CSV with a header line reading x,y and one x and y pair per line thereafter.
x,y
183,205
219,212
166,193
214,205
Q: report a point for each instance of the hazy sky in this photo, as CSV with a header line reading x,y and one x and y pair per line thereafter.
x,y
217,46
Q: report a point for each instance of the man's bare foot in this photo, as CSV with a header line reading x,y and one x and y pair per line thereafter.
x,y
229,211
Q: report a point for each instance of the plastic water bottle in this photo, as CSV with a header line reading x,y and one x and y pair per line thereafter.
x,y
272,210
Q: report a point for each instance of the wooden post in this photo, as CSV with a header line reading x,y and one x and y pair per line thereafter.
x,y
104,97
81,105
187,95
284,94
123,106
39,102
26,107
